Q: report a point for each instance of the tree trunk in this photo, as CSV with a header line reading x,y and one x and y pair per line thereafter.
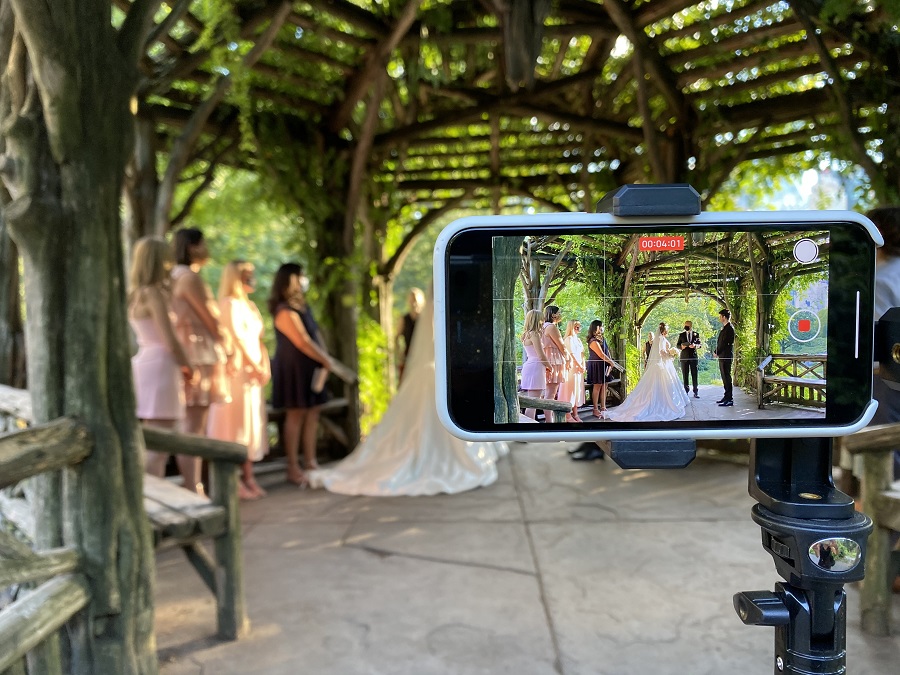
x,y
506,264
12,336
141,183
66,152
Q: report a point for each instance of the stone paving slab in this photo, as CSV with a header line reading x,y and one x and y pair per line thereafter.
x,y
561,567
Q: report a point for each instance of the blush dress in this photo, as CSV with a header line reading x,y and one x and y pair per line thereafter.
x,y
557,359
158,384
243,418
204,353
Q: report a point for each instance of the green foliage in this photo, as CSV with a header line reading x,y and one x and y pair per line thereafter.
x,y
374,391
240,224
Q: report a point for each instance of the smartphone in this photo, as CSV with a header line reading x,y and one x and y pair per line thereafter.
x,y
799,287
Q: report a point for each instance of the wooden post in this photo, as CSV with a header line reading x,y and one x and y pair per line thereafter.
x,y
507,261
875,596
232,615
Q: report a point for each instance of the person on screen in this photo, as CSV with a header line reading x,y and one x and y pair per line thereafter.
x,y
599,367
725,353
688,343
557,355
534,372
572,388
658,396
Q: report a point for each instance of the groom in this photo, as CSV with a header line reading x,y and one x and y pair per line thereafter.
x,y
725,354
688,342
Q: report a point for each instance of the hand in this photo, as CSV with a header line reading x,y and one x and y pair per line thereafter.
x,y
187,373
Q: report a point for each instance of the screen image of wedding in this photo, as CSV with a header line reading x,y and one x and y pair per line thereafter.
x,y
668,326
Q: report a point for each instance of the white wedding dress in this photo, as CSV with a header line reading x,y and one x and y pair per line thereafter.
x,y
410,452
659,394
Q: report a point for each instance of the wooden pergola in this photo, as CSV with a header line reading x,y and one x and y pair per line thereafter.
x,y
500,102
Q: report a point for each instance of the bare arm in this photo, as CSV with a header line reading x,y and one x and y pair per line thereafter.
x,y
539,348
191,288
595,347
156,305
293,329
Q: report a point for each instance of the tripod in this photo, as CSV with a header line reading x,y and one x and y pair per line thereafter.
x,y
813,533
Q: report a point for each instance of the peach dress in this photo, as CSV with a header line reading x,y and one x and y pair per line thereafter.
x,y
243,418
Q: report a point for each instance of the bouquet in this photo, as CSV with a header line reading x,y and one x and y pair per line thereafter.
x,y
673,352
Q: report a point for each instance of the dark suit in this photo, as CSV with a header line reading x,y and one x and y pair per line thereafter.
x,y
688,357
725,354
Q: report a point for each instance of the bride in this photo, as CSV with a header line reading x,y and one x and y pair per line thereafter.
x,y
659,394
409,452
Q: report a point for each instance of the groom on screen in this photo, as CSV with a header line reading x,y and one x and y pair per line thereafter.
x,y
725,354
688,343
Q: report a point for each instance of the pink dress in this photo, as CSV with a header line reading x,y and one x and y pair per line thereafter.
x,y
534,376
242,419
158,385
203,352
558,371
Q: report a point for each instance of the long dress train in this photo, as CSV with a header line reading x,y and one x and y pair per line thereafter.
x,y
659,394
409,452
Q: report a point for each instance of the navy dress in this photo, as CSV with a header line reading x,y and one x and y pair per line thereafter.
x,y
596,367
292,370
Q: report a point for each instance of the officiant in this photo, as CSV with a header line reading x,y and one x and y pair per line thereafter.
x,y
689,343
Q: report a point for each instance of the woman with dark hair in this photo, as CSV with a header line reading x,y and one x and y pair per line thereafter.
x,y
556,353
299,356
659,395
200,334
599,367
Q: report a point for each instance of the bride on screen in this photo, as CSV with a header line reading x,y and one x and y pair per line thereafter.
x,y
659,394
410,452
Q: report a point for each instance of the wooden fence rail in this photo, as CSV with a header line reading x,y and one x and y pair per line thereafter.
x,y
32,622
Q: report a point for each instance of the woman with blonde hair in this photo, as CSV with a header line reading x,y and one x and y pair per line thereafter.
x,y
534,372
160,366
243,418
571,390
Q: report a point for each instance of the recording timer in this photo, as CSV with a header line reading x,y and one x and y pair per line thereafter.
x,y
661,243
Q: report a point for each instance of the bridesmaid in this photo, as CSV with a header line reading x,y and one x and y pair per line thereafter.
x,y
534,372
243,418
557,355
299,354
200,333
161,365
599,366
572,389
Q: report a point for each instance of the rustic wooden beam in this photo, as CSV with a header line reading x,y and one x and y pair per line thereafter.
x,y
875,438
27,622
373,68
230,604
662,76
45,447
36,567
163,440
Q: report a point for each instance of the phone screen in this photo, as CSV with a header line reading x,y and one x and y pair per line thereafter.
x,y
720,326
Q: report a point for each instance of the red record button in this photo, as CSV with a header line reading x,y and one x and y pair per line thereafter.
x,y
661,243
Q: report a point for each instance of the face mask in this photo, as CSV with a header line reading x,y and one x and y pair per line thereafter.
x,y
304,283
687,327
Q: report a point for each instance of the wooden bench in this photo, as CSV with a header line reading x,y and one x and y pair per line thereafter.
x,y
178,517
789,378
880,500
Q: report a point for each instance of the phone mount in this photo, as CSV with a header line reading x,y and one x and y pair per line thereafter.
x,y
812,531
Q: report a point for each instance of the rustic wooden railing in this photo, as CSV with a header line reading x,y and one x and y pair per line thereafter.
x,y
880,500
559,408
31,623
791,378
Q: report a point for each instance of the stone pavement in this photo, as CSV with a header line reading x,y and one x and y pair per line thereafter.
x,y
560,567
